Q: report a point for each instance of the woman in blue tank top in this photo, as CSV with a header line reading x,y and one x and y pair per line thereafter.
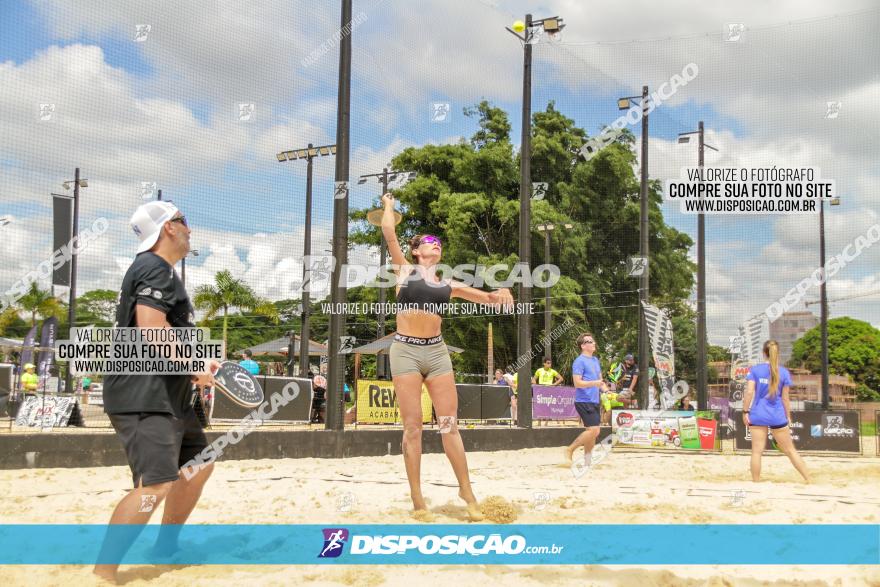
x,y
766,407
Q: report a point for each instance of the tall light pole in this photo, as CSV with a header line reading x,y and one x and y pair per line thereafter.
x,y
702,366
71,309
375,218
824,302
192,253
336,362
308,154
547,228
644,250
524,387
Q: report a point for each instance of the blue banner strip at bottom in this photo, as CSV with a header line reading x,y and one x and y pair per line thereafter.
x,y
536,544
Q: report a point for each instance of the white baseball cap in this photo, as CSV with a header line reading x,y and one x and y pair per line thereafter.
x,y
148,220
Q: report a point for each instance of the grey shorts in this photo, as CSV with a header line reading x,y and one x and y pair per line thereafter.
x,y
429,360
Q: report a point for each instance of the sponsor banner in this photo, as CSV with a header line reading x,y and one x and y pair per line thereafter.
x,y
834,431
62,231
666,429
48,336
660,334
471,544
552,402
377,403
739,370
45,411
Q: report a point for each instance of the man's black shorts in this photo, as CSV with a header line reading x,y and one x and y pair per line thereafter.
x,y
158,445
589,413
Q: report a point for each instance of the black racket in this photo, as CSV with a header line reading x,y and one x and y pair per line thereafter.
x,y
203,405
239,385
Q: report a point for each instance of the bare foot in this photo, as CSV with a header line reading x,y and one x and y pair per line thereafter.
x,y
473,508
474,512
423,515
106,574
419,503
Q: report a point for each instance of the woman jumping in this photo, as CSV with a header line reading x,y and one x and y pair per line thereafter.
x,y
418,355
770,410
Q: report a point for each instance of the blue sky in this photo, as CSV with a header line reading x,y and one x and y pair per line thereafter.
x,y
166,110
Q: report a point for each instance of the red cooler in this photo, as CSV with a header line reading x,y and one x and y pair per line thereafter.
x,y
707,430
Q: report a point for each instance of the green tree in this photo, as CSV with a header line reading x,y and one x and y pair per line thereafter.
x,y
97,307
469,193
11,324
853,349
228,292
39,302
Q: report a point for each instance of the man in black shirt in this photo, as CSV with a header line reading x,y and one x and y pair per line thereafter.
x,y
629,378
153,414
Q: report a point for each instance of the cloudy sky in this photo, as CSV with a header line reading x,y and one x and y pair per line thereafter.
x,y
164,108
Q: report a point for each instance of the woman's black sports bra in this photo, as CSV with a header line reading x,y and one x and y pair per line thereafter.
x,y
419,294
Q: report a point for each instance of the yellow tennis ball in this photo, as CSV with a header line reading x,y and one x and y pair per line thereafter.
x,y
519,26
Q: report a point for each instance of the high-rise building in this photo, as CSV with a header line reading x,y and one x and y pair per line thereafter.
x,y
788,328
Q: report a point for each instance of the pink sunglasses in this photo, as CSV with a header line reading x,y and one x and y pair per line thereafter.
x,y
429,239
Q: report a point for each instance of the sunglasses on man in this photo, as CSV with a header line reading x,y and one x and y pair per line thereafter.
x,y
181,219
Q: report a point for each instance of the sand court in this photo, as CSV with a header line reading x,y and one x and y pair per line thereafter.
x,y
525,486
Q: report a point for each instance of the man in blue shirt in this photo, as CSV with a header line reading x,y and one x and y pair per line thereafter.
x,y
587,374
249,363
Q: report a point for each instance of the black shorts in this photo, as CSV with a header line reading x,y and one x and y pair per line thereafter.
x,y
589,413
158,445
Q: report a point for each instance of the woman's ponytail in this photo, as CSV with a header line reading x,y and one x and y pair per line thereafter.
x,y
771,349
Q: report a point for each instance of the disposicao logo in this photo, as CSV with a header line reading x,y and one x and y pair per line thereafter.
x,y
334,541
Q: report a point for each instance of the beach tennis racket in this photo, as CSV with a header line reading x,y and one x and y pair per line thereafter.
x,y
203,406
238,384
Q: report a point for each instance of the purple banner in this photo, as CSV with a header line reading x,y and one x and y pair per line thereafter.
x,y
48,336
722,404
551,402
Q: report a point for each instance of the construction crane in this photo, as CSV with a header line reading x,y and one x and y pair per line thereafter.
x,y
861,295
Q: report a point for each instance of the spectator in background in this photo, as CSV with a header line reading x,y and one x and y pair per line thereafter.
x,y
29,379
319,388
499,378
547,375
686,405
629,378
249,363
512,382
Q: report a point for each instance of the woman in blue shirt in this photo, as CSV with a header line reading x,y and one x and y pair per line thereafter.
x,y
587,374
766,407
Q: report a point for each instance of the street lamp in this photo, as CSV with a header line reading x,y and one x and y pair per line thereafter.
x,y
192,253
71,309
375,218
824,301
308,154
702,366
552,25
644,281
547,228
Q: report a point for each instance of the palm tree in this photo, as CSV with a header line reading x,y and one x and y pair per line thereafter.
x,y
229,292
39,301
